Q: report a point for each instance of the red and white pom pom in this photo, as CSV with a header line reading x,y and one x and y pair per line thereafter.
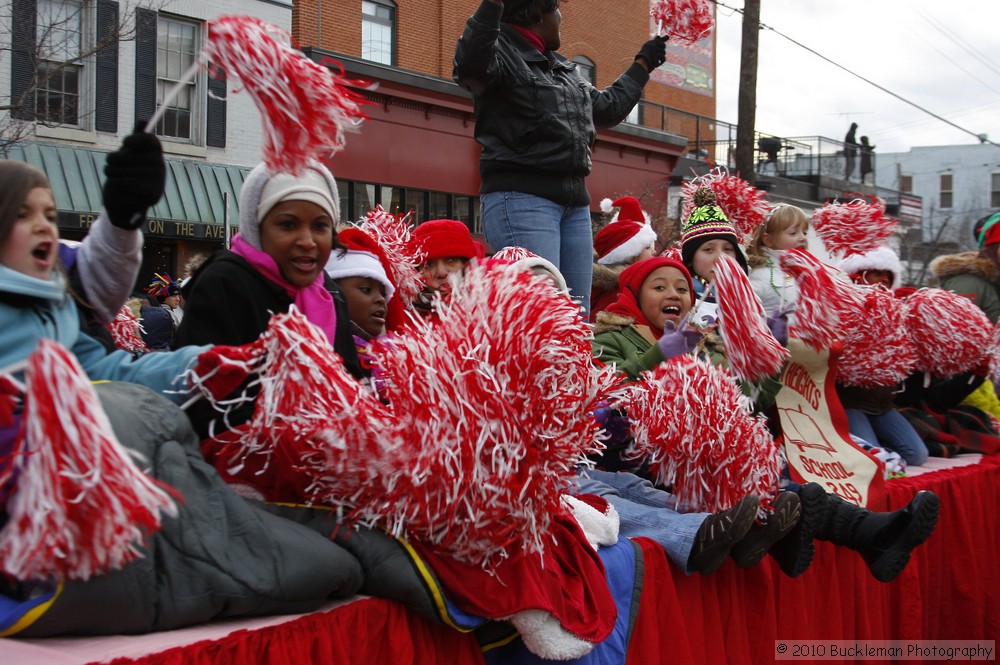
x,y
951,335
685,21
743,204
513,254
673,252
857,227
80,507
695,428
392,233
305,107
124,331
492,409
751,350
824,299
307,399
878,349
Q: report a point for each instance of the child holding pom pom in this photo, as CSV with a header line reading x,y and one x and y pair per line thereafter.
x,y
37,301
40,328
871,411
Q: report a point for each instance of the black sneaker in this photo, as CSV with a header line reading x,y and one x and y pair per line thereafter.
x,y
795,551
719,532
889,551
761,537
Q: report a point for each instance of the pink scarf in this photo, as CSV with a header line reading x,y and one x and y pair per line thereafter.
x,y
314,300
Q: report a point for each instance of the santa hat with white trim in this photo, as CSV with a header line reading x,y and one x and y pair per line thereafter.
x,y
880,258
628,234
362,258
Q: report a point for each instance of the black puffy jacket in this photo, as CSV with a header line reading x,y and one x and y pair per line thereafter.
x,y
536,118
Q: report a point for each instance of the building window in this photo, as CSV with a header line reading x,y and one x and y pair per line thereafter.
x,y
59,38
378,27
585,66
995,190
906,183
947,190
177,45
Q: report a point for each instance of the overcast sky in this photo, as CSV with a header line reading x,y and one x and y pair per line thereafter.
x,y
943,56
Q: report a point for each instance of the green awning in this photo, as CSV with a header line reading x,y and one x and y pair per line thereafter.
x,y
194,191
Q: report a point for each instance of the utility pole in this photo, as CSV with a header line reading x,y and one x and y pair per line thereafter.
x,y
747,105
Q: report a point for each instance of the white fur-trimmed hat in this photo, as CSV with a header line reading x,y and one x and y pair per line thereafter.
x,y
362,258
882,258
628,234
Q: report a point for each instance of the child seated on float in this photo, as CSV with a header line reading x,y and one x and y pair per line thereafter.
x,y
447,247
627,238
640,331
694,541
784,228
362,272
219,556
871,412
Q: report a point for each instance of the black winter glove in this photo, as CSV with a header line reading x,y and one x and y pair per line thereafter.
x,y
654,52
136,176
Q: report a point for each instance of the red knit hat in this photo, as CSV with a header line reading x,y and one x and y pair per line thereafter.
x,y
627,235
631,278
443,238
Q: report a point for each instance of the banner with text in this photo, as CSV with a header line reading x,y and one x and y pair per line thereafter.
x,y
814,428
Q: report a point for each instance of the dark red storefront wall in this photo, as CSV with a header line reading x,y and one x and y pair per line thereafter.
x,y
422,139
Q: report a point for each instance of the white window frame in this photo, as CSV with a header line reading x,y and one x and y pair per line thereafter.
x,y
168,73
57,54
373,21
946,191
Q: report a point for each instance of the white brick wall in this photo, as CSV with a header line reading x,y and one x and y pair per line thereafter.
x,y
244,136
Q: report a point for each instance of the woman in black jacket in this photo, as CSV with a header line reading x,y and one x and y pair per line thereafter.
x,y
536,120
276,260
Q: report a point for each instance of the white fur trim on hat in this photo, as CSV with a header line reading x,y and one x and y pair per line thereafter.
x,y
355,263
631,248
882,258
531,262
252,195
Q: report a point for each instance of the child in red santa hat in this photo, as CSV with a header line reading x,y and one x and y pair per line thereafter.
x,y
362,271
626,239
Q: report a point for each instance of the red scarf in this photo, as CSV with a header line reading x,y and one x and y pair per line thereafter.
x,y
533,37
626,305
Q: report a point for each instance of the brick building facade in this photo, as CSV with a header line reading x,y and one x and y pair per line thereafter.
x,y
416,151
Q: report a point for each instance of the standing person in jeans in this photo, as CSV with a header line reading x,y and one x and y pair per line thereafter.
x,y
536,120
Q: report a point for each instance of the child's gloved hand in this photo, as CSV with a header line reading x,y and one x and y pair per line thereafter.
x,y
614,422
777,322
678,342
136,176
222,369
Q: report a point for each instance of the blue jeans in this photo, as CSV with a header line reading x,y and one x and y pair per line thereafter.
x,y
644,511
562,235
888,430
